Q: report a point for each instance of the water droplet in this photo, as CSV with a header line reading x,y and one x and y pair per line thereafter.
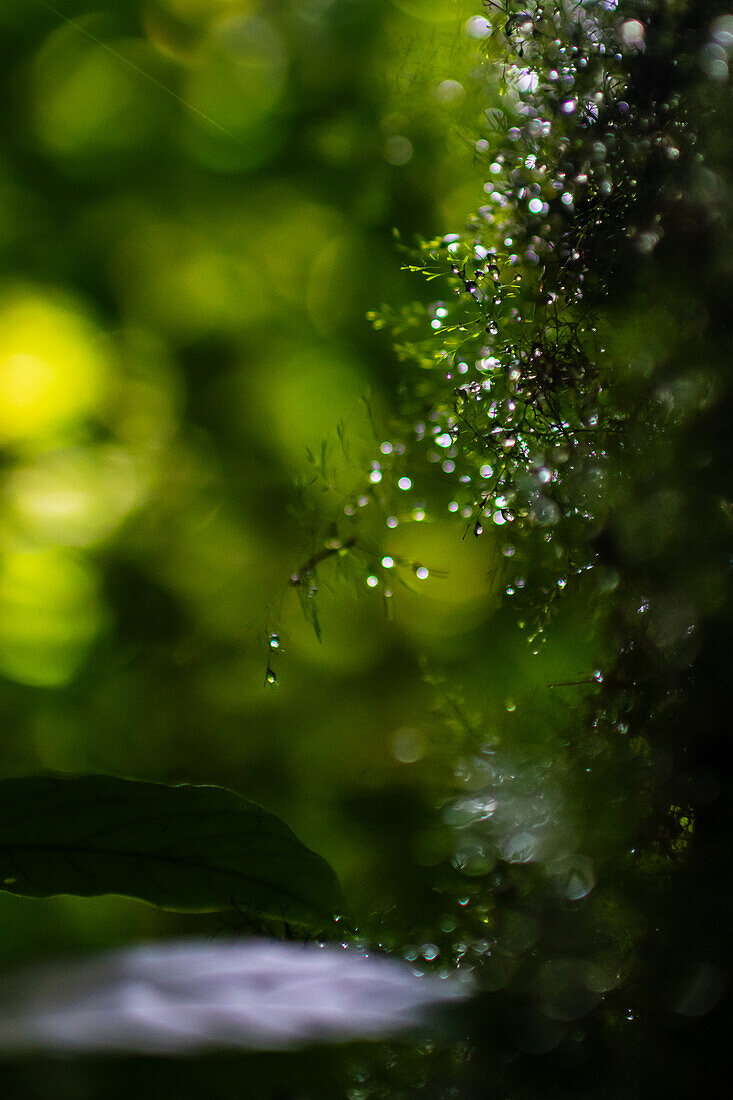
x,y
392,521
375,477
274,641
519,848
271,677
573,876
372,581
632,34
421,572
510,705
544,511
404,483
478,27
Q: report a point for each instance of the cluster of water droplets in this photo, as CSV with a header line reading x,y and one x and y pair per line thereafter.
x,y
509,406
508,815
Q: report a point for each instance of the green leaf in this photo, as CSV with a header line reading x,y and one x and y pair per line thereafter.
x,y
196,849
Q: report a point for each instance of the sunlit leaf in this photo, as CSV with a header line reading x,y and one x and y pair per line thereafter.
x,y
185,848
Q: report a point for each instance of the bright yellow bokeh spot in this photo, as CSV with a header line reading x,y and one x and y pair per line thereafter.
x,y
74,498
52,371
49,615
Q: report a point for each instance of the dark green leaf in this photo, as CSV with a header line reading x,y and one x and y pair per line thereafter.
x,y
199,849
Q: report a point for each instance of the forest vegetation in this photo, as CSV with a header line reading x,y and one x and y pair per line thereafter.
x,y
364,424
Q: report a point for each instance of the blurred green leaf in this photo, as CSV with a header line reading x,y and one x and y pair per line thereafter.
x,y
187,848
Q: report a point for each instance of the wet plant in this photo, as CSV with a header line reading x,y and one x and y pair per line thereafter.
x,y
560,383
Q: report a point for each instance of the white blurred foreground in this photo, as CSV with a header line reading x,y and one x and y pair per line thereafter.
x,y
190,996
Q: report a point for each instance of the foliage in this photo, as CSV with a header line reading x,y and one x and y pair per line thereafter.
x,y
186,848
539,541
565,385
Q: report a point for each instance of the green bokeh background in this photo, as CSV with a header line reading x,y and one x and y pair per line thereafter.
x,y
197,206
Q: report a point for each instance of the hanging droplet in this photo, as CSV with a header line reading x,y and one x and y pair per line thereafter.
x,y
274,641
271,677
